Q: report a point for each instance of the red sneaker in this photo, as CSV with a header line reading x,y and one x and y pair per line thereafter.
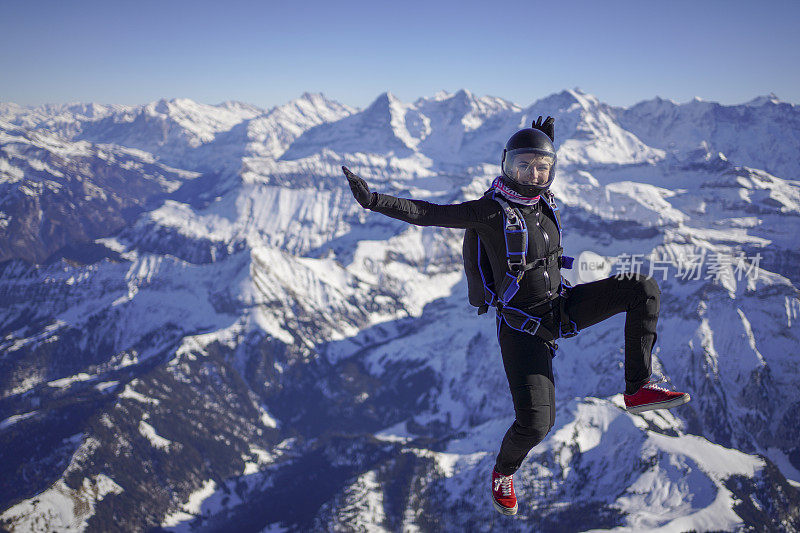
x,y
503,497
651,396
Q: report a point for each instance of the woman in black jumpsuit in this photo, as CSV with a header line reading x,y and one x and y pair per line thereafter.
x,y
528,359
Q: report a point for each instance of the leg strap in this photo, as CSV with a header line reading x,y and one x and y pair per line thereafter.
x,y
568,327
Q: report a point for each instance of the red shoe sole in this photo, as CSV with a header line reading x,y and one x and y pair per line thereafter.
x,y
508,511
680,400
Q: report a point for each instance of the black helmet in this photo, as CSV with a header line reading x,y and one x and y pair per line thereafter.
x,y
525,150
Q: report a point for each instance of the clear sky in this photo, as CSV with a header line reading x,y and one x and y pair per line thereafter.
x,y
267,53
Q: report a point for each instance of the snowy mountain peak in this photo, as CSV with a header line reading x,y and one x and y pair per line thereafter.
x,y
444,127
443,95
654,106
378,129
585,99
730,129
164,106
314,107
462,98
270,134
89,111
566,101
315,99
759,101
385,104
587,130
663,101
464,95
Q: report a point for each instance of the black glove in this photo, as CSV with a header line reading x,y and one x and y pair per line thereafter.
x,y
546,127
359,188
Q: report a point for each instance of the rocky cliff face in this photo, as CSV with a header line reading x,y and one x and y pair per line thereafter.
x,y
200,327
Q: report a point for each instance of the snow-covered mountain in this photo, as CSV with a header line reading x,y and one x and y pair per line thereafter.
x,y
200,328
167,128
431,131
56,193
763,133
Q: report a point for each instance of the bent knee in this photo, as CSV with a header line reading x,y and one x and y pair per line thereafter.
x,y
651,294
646,290
650,286
641,283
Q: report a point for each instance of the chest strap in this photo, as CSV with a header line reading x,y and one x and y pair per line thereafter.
x,y
516,240
517,318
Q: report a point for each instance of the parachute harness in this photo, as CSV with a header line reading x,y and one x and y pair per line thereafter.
x,y
516,240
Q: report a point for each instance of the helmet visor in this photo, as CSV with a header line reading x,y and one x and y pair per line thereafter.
x,y
530,167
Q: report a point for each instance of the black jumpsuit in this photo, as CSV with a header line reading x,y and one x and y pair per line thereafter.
x,y
527,359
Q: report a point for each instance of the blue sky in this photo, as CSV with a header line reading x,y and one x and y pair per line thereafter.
x,y
267,53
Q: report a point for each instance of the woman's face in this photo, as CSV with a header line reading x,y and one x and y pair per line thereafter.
x,y
532,169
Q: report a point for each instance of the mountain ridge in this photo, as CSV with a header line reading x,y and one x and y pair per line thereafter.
x,y
254,328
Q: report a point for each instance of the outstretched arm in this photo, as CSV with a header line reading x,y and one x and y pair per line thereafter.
x,y
417,212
